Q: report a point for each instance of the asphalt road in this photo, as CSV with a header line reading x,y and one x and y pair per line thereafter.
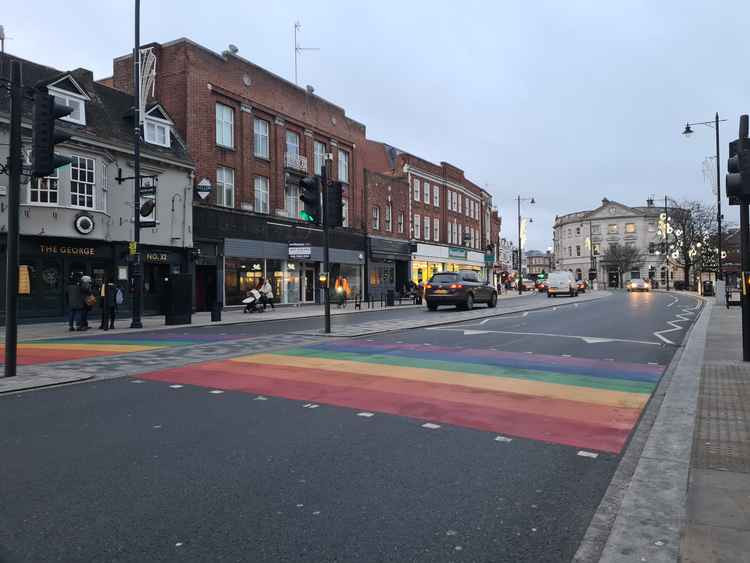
x,y
153,470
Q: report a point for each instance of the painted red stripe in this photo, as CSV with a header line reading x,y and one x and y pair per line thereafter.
x,y
537,427
32,356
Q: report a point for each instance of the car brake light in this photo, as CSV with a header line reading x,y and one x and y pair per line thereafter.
x,y
456,286
429,286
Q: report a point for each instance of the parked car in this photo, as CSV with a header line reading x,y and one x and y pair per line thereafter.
x,y
541,286
528,285
583,285
637,284
708,288
462,289
561,283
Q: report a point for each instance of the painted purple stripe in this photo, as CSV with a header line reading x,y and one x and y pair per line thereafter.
x,y
582,366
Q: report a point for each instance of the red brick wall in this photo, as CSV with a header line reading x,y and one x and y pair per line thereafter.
x,y
191,80
380,190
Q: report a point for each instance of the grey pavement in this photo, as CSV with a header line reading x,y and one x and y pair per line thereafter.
x,y
718,496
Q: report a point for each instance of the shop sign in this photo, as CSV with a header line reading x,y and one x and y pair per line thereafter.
x,y
300,250
67,250
157,257
24,280
454,252
489,258
203,188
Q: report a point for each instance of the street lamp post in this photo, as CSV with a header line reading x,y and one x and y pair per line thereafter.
x,y
687,132
520,250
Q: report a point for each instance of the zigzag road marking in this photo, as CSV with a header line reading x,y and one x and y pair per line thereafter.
x,y
679,318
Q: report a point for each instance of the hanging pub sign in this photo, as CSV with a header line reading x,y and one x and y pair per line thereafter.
x,y
300,251
147,208
203,189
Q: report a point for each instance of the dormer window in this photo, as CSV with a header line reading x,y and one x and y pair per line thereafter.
x,y
67,92
157,127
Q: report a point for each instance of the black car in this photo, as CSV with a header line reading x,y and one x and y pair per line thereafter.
x,y
462,289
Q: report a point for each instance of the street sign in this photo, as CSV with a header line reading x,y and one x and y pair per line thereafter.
x,y
489,258
300,250
132,247
203,188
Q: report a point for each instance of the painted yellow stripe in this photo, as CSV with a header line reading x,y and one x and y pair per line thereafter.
x,y
90,347
503,384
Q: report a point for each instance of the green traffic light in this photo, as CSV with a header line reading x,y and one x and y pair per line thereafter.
x,y
306,216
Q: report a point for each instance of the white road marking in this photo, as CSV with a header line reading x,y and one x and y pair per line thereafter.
x,y
503,439
679,318
216,391
176,386
431,426
587,339
310,406
260,398
565,355
653,364
137,381
156,426
575,305
676,299
178,544
366,414
584,453
484,321
554,308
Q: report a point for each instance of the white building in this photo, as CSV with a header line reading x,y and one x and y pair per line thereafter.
x,y
582,238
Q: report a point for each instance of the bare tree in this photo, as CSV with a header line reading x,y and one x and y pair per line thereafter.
x,y
623,257
692,236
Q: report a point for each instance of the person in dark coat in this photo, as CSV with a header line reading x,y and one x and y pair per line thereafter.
x,y
109,305
86,292
75,302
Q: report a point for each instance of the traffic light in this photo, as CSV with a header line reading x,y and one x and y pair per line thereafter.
x,y
738,179
542,276
44,161
309,187
335,205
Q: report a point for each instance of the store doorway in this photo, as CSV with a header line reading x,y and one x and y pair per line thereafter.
x,y
614,278
308,284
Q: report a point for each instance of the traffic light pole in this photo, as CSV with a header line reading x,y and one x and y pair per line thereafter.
x,y
14,188
136,264
666,238
718,195
326,264
745,253
520,276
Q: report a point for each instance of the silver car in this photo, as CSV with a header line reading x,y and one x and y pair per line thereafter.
x,y
637,284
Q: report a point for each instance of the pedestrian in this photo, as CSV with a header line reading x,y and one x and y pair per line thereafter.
x,y
111,297
89,300
266,292
75,302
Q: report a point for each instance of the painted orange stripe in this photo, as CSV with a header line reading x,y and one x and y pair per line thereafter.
x,y
614,417
40,356
86,346
509,385
536,427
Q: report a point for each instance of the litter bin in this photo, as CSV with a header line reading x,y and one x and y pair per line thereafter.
x,y
216,311
390,298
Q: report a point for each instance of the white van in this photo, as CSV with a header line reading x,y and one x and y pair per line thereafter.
x,y
561,283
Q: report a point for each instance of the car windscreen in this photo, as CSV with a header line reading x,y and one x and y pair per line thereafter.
x,y
443,278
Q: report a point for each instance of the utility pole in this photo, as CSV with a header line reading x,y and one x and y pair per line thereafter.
x,y
324,174
136,264
718,193
745,254
15,164
520,278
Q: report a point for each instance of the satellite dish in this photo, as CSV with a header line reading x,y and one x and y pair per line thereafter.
x,y
233,49
147,208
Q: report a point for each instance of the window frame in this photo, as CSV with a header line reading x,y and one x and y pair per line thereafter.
x,y
436,195
54,177
427,228
156,123
612,229
436,229
578,250
417,226
417,190
400,222
258,135
319,158
92,183
426,192
375,218
65,97
221,121
289,134
221,185
343,166
389,218
630,228
264,189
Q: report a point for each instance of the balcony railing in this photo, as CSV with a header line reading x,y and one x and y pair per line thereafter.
x,y
295,161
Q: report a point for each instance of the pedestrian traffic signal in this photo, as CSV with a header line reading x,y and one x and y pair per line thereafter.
x,y
309,187
334,216
738,166
44,161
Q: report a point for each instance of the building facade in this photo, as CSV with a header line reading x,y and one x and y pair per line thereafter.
x,y
253,135
80,219
447,218
581,240
538,262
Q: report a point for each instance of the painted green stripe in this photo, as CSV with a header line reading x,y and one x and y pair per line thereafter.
x,y
480,369
97,342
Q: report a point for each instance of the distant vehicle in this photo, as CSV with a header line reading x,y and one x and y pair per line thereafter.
x,y
582,286
462,289
528,285
541,286
708,288
637,284
561,283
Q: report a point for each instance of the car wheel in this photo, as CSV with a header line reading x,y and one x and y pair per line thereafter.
x,y
432,306
493,301
549,295
571,293
469,302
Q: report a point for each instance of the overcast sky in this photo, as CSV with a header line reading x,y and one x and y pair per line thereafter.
x,y
567,101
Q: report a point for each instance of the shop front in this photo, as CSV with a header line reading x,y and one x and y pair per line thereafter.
x,y
430,259
387,266
159,263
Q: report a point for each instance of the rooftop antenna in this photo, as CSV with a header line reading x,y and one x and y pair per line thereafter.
x,y
298,50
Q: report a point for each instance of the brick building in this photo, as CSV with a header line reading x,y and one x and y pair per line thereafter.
x,y
447,218
253,135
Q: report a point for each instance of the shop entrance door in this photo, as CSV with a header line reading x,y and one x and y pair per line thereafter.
x,y
614,278
308,284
